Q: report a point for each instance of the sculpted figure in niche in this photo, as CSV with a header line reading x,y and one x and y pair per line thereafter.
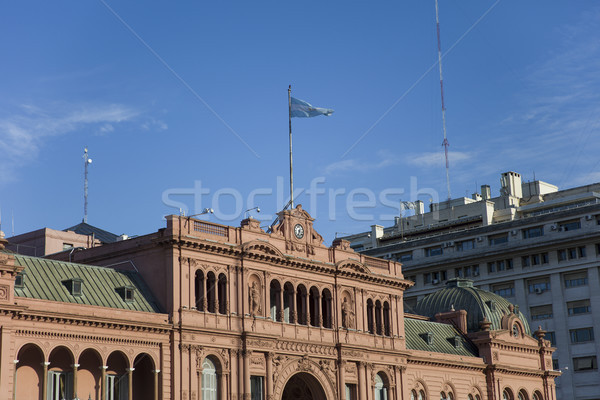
x,y
254,299
347,314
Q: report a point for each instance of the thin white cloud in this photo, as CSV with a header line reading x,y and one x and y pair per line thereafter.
x,y
383,159
23,133
435,159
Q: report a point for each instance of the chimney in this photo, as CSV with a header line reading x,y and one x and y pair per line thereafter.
x,y
486,193
419,207
457,318
376,233
511,184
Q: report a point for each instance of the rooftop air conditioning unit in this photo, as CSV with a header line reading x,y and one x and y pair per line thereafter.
x,y
588,217
449,244
480,239
553,227
538,290
514,232
435,281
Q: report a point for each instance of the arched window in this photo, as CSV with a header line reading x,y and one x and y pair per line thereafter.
x,y
211,289
413,395
209,380
507,394
199,289
275,301
326,308
288,303
301,308
370,322
448,396
387,329
378,318
222,294
537,395
422,395
380,388
522,395
314,300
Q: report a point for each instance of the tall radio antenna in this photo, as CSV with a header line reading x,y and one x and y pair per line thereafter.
x,y
86,161
445,142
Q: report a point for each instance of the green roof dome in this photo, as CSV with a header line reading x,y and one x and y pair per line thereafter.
x,y
460,294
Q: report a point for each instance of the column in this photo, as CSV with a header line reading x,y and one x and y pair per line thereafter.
x,y
342,379
103,382
319,311
306,301
247,354
130,382
280,312
205,293
223,385
15,380
240,375
45,380
75,367
362,381
156,372
269,357
294,313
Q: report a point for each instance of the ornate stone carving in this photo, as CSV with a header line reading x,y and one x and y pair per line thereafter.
x,y
304,363
255,297
4,290
347,314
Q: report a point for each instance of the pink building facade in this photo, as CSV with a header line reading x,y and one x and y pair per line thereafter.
x,y
199,310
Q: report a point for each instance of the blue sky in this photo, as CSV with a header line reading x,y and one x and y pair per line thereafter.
x,y
172,97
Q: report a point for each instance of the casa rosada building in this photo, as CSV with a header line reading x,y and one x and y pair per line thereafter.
x,y
199,310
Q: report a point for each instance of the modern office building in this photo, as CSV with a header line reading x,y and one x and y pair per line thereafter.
x,y
199,310
535,245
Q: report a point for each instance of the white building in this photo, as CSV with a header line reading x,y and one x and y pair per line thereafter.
x,y
534,245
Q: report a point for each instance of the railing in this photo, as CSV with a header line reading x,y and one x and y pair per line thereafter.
x,y
211,229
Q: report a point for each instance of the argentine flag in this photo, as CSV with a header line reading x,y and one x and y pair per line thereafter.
x,y
302,109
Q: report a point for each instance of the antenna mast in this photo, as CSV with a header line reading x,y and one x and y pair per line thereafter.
x,y
445,142
86,161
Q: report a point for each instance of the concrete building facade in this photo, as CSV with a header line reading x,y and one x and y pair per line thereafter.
x,y
534,245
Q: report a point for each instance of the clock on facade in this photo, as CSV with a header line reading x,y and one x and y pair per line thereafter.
x,y
299,231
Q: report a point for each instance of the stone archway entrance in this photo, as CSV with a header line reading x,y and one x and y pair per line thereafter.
x,y
303,386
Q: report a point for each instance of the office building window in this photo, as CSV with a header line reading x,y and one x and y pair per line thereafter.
x,y
545,258
525,262
467,272
500,265
555,364
579,307
575,279
585,363
581,251
533,232
506,289
403,257
569,225
435,277
581,335
551,336
498,239
465,245
539,285
433,251
561,254
412,278
541,312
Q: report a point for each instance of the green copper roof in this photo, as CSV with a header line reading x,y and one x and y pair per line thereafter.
x,y
443,338
51,280
460,294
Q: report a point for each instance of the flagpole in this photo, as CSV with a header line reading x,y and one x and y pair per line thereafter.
x,y
291,168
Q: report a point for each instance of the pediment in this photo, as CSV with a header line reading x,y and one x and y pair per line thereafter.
x,y
262,247
353,265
